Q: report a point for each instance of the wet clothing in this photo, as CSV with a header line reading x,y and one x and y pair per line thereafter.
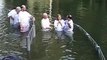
x,y
59,28
16,21
68,29
24,19
12,13
45,23
68,25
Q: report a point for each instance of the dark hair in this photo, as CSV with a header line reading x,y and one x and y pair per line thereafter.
x,y
10,58
69,16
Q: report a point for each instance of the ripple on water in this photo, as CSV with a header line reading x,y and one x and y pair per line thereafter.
x,y
9,42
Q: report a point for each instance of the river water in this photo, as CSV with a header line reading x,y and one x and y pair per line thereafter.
x,y
90,14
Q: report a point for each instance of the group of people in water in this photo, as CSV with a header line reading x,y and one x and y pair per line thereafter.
x,y
19,19
63,28
20,23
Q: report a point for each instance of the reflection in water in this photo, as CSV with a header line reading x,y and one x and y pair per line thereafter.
x,y
81,10
46,35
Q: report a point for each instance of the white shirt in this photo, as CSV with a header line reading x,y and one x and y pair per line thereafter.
x,y
45,23
58,26
24,18
12,13
67,28
16,19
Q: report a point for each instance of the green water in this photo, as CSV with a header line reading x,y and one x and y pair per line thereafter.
x,y
90,14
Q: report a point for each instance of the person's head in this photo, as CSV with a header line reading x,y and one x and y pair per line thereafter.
x,y
59,17
18,9
45,15
69,17
23,8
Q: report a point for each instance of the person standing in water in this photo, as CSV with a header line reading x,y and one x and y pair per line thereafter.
x,y
13,16
45,24
24,20
16,24
59,25
68,28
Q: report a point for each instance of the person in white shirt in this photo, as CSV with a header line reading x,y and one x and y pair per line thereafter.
x,y
68,28
45,24
24,19
11,15
16,19
59,25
